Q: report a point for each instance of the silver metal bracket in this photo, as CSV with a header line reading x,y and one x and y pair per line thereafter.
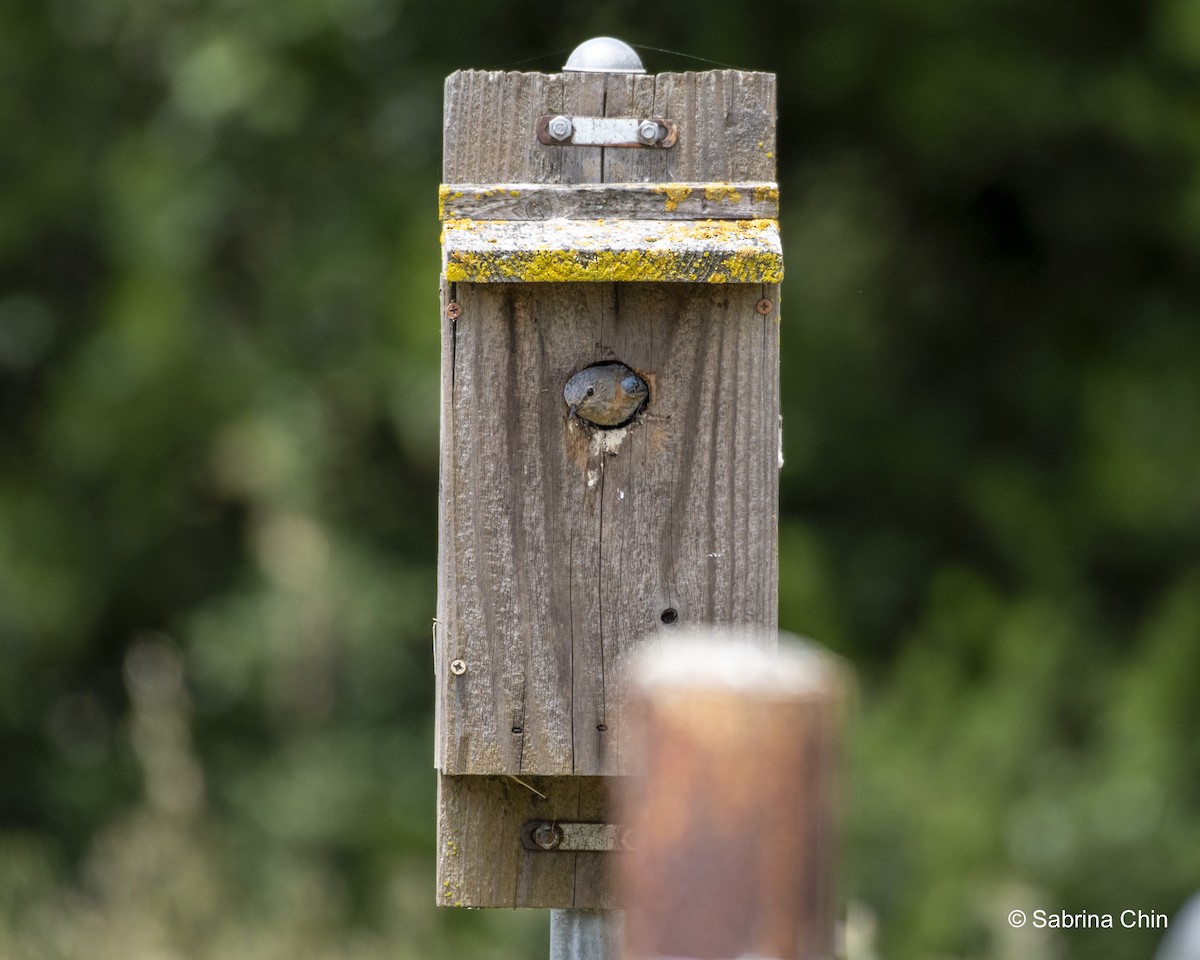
x,y
570,837
562,130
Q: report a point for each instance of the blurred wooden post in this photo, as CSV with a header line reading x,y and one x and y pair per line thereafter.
x,y
591,217
731,818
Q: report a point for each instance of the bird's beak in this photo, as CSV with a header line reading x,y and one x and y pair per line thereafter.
x,y
571,410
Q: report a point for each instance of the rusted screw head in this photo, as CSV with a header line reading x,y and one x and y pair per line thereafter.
x,y
547,836
458,667
560,127
453,310
764,306
648,131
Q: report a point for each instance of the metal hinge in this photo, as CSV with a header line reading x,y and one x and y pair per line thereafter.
x,y
556,835
568,131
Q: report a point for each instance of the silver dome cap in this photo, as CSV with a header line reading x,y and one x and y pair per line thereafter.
x,y
604,55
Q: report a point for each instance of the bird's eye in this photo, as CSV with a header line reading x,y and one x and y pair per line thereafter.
x,y
591,391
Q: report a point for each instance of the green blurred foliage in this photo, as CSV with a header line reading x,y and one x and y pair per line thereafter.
x,y
218,456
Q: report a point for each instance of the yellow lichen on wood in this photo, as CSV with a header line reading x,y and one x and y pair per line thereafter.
x,y
446,195
696,251
722,193
574,266
763,193
675,195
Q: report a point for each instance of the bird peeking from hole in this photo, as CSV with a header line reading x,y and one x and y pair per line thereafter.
x,y
608,394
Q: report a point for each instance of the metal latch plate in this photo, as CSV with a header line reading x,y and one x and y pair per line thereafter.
x,y
569,837
607,132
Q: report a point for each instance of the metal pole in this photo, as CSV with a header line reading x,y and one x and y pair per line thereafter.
x,y
586,934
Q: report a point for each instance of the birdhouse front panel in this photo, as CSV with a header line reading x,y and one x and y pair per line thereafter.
x,y
610,407
569,542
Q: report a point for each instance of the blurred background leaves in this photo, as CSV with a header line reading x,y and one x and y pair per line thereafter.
x,y
218,398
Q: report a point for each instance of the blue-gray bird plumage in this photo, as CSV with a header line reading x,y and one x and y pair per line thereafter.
x,y
608,394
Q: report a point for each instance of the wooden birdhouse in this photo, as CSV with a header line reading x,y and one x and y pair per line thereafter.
x,y
598,216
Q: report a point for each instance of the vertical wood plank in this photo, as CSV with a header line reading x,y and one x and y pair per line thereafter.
x,y
632,95
488,128
448,559
583,95
727,124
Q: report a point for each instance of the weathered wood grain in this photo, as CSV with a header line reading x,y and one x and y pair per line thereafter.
x,y
633,96
583,95
480,865
726,121
611,201
488,127
571,542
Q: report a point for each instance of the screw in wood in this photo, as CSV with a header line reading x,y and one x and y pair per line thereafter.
x,y
458,667
764,306
453,310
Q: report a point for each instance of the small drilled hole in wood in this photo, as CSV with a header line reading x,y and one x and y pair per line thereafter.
x,y
602,727
669,616
518,729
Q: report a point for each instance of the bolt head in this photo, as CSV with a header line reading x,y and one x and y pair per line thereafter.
x,y
547,837
560,127
649,131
